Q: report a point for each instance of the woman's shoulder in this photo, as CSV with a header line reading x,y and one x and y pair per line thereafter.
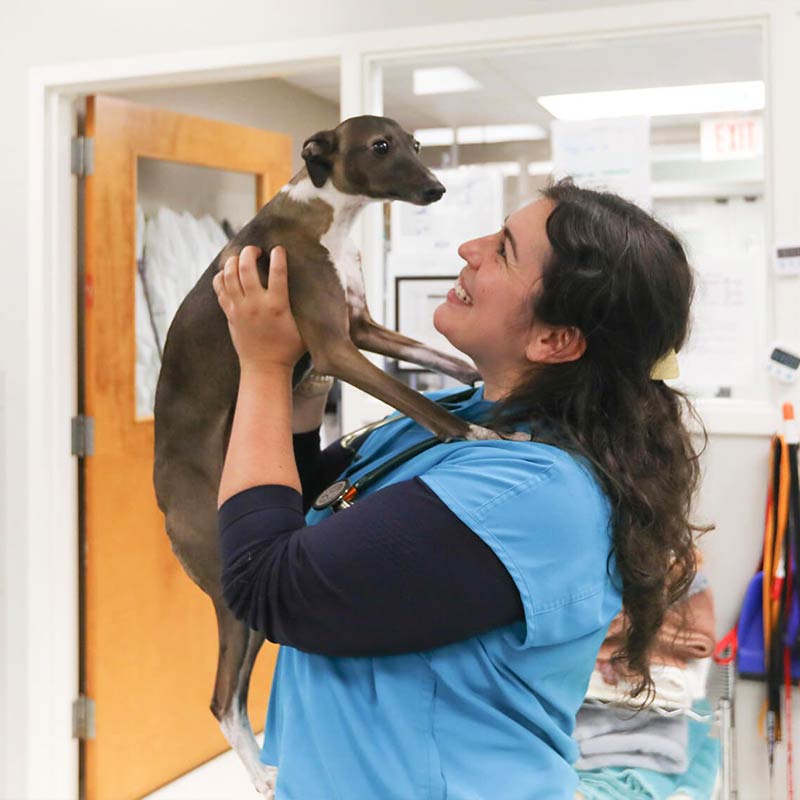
x,y
529,460
481,475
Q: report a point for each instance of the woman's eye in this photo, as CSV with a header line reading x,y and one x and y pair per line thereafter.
x,y
381,147
501,249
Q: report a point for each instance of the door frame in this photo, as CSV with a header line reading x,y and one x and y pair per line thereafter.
x,y
49,581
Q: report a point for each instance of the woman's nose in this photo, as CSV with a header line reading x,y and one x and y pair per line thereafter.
x,y
470,251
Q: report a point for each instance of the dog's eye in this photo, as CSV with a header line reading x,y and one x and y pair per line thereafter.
x,y
417,146
381,147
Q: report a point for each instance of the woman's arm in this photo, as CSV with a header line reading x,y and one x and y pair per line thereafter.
x,y
268,344
397,572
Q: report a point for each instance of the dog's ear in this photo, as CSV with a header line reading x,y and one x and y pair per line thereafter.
x,y
317,151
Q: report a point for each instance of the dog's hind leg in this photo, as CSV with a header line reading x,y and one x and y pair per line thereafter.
x,y
238,648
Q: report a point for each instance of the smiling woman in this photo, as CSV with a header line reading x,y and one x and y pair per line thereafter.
x,y
487,314
430,615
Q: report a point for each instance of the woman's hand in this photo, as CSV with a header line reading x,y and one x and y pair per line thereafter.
x,y
260,320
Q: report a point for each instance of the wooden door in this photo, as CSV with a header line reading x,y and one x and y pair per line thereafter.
x,y
150,640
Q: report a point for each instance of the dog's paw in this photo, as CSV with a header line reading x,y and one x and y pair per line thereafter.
x,y
476,433
472,377
517,436
265,781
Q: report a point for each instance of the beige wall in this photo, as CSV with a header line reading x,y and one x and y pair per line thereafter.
x,y
270,104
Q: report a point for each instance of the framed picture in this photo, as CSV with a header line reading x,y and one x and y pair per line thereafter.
x,y
415,299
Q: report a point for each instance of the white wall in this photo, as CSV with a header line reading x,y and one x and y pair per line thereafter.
x,y
39,33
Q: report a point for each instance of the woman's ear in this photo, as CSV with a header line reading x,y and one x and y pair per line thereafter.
x,y
555,345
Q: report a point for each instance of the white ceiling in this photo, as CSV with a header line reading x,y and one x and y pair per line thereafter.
x,y
512,80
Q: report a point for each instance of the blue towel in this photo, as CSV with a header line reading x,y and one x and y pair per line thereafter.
x,y
624,783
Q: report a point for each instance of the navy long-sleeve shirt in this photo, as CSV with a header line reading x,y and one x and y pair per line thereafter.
x,y
396,572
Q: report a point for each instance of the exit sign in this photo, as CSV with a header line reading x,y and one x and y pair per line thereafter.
x,y
737,137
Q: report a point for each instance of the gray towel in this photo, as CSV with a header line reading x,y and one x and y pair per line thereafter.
x,y
613,737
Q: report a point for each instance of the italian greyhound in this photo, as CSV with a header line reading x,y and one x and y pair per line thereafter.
x,y
363,159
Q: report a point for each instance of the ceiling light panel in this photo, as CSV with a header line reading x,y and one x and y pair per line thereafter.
x,y
434,137
710,98
489,134
479,134
443,80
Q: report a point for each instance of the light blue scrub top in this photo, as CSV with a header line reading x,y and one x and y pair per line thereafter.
x,y
487,718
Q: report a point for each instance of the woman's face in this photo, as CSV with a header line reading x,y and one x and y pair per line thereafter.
x,y
487,314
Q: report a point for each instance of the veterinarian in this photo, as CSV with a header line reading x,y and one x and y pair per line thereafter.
x,y
439,628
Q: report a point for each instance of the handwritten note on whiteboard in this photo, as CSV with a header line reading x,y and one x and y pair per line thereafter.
x,y
605,154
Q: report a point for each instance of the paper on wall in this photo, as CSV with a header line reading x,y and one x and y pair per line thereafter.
x,y
726,249
606,154
417,302
721,347
471,207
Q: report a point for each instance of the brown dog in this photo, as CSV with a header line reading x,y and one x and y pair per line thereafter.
x,y
364,158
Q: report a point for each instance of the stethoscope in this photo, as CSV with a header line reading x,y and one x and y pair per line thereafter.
x,y
342,494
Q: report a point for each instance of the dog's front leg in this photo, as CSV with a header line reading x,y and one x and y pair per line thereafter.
x,y
368,335
342,359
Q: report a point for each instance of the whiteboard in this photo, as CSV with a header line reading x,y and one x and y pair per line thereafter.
x,y
605,154
471,207
726,247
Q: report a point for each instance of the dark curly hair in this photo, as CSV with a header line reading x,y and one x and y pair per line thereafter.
x,y
623,280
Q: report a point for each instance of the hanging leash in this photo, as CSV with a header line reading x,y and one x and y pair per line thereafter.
x,y
774,572
789,611
765,642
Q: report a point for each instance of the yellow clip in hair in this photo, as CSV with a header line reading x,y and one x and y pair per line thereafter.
x,y
666,367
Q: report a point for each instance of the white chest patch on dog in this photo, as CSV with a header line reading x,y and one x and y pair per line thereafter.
x,y
336,240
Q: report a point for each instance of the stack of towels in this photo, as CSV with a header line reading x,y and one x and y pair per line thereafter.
x,y
648,756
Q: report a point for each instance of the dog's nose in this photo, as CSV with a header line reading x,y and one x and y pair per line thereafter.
x,y
434,193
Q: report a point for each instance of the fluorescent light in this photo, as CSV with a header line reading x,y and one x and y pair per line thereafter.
x,y
489,134
509,169
440,80
709,98
434,137
479,134
540,168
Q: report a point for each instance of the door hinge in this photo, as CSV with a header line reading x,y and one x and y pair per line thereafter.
x,y
82,156
82,436
83,718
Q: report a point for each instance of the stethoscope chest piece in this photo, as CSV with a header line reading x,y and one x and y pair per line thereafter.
x,y
342,494
333,496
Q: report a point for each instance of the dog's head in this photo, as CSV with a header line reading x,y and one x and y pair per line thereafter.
x,y
373,157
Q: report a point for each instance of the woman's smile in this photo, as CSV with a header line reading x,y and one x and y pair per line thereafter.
x,y
496,284
458,295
